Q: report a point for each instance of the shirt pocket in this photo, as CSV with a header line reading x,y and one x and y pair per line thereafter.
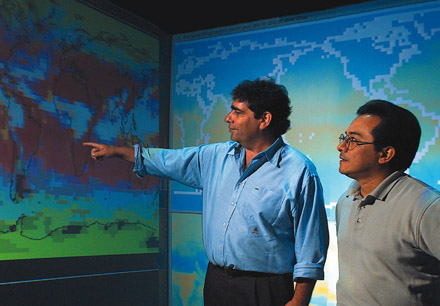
x,y
264,204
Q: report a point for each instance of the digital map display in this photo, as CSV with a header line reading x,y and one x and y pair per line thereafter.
x,y
71,74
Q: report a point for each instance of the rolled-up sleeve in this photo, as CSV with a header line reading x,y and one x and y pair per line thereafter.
x,y
139,168
311,232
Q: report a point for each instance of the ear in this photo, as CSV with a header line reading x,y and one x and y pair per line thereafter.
x,y
386,154
265,120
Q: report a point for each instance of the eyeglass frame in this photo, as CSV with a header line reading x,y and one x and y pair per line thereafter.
x,y
346,138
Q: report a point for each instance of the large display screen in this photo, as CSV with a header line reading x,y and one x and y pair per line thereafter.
x,y
331,62
70,74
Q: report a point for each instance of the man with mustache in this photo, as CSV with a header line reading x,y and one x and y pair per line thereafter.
x,y
264,221
388,223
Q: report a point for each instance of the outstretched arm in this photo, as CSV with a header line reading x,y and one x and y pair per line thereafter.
x,y
99,151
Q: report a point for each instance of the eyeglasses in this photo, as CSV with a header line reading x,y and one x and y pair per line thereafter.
x,y
350,142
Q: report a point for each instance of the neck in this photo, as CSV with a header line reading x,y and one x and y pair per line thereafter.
x,y
368,184
252,151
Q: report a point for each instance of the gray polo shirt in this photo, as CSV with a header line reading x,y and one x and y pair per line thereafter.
x,y
389,244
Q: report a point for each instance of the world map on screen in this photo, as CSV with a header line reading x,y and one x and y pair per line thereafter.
x,y
71,74
330,66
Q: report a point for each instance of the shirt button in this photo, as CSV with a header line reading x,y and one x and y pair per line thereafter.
x,y
232,203
224,224
358,220
220,246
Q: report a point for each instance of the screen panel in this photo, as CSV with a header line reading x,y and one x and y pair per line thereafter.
x,y
331,63
77,71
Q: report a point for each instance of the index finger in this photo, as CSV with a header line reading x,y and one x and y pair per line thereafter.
x,y
90,144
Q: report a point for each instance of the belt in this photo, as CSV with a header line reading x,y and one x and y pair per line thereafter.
x,y
235,272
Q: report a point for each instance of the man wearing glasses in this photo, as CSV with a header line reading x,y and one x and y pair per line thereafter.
x,y
388,223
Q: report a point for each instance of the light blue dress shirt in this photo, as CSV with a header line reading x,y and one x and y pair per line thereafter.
x,y
270,218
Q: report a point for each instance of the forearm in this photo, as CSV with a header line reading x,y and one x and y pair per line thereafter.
x,y
303,292
125,153
100,151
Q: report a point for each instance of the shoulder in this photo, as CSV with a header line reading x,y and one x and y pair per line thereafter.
x,y
219,147
414,198
293,158
216,151
225,146
421,193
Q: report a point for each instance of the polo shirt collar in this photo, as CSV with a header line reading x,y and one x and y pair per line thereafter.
x,y
380,192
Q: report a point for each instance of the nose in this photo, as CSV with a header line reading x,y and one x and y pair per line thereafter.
x,y
228,118
342,146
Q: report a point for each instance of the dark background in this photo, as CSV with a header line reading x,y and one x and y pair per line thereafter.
x,y
176,17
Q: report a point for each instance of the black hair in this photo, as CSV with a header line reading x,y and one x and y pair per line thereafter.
x,y
264,95
398,128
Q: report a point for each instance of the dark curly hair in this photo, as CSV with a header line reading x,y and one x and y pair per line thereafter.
x,y
398,128
264,95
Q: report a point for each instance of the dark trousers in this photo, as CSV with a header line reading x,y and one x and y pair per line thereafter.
x,y
241,288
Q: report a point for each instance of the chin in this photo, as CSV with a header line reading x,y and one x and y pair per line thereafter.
x,y
344,172
233,138
347,174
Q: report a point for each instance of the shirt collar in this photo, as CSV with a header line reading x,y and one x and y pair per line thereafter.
x,y
272,153
380,192
234,148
